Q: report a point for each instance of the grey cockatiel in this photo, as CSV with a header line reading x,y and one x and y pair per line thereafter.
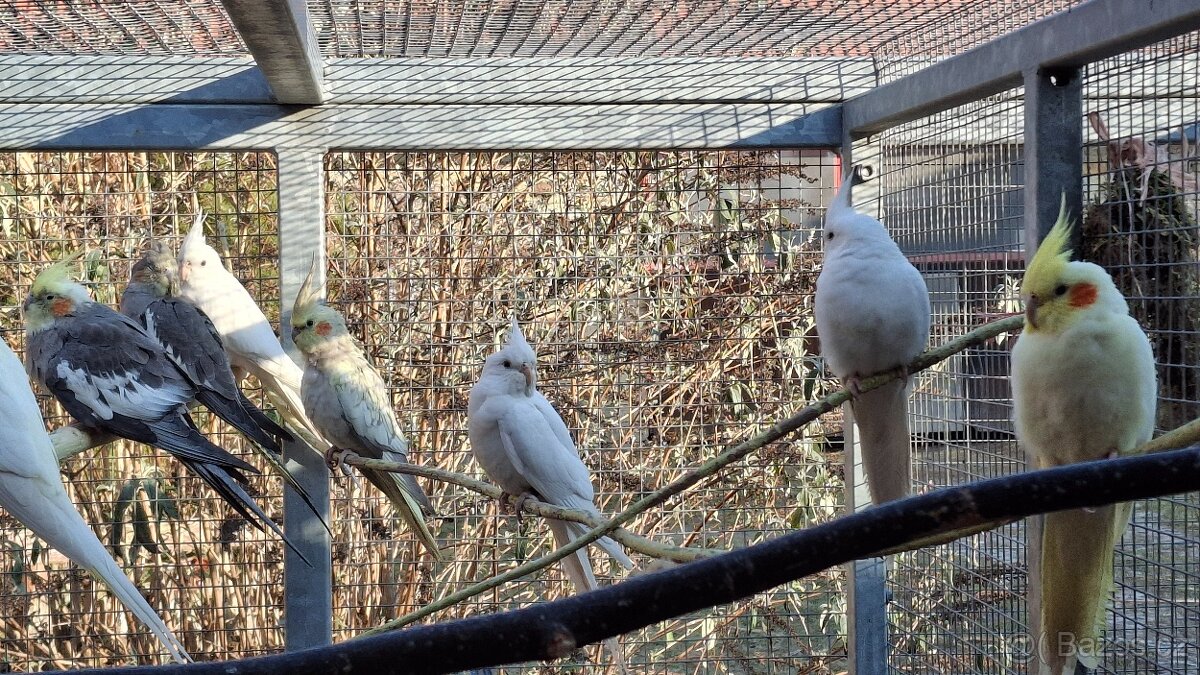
x,y
348,402
523,444
113,377
193,344
32,492
245,332
872,312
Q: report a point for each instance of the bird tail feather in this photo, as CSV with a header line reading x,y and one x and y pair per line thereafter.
x,y
579,570
231,491
406,504
1076,582
881,416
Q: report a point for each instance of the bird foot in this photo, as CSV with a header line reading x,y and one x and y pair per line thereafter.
x,y
515,503
851,383
335,458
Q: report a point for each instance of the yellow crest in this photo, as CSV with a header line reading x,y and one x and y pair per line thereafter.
x,y
1053,253
56,275
309,296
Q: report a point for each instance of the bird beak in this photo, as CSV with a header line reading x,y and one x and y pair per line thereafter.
x,y
1031,308
527,371
295,332
28,301
183,273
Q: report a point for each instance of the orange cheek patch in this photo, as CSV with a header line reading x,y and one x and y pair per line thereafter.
x,y
60,307
1083,295
323,329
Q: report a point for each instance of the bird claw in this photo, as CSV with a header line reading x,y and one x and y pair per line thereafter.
x,y
335,458
852,384
515,503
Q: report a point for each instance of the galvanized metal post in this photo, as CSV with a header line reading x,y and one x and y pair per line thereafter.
x,y
308,591
1053,171
866,594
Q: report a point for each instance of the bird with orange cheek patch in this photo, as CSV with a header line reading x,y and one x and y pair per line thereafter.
x,y
114,377
348,401
1084,388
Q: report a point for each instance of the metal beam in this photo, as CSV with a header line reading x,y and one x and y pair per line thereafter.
x,y
1088,32
279,35
482,128
34,78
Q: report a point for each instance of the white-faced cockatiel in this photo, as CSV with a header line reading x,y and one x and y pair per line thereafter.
x,y
245,332
32,492
872,315
113,377
1084,388
193,344
348,401
525,447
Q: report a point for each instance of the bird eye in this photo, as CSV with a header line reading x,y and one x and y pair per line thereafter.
x,y
49,296
203,263
1060,289
829,235
507,363
309,323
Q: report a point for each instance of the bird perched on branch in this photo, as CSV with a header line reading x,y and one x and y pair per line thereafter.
x,y
32,492
523,444
245,332
192,343
1084,388
113,377
348,402
872,315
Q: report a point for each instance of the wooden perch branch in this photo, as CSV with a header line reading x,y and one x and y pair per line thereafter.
x,y
631,541
552,630
706,469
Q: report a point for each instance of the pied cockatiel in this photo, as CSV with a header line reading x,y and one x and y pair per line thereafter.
x,y
348,401
193,344
872,314
32,492
1084,388
111,376
245,332
525,447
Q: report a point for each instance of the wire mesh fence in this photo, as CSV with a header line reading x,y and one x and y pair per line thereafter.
x,y
666,294
215,580
950,192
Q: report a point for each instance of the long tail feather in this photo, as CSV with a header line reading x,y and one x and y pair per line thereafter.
x,y
882,419
406,505
579,570
264,421
179,436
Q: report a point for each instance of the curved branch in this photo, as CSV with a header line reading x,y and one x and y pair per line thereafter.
x,y
552,630
680,554
708,468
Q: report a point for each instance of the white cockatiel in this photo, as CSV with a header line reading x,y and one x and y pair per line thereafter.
x,y
248,337
32,492
1084,388
523,444
872,313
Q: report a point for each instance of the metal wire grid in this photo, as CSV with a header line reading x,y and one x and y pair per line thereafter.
x,y
216,581
950,190
1143,189
628,28
970,24
668,296
130,27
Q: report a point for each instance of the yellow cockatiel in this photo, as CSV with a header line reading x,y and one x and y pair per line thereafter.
x,y
1084,388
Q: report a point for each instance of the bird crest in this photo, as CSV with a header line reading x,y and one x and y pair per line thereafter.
x,y
515,337
1053,253
56,275
195,236
309,295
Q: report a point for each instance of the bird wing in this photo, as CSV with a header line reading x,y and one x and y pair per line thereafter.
x,y
365,405
552,469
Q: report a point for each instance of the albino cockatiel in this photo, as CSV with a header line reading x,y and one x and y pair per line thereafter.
x,y
32,492
245,332
348,401
192,342
113,377
872,313
523,444
1084,388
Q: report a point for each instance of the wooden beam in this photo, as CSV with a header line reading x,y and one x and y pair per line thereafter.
x,y
281,39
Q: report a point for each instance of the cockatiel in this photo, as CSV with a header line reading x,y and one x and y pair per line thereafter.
x,y
113,377
523,444
193,344
32,492
1084,388
245,332
348,401
872,314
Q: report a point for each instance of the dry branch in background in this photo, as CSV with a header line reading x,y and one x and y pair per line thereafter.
x,y
554,629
